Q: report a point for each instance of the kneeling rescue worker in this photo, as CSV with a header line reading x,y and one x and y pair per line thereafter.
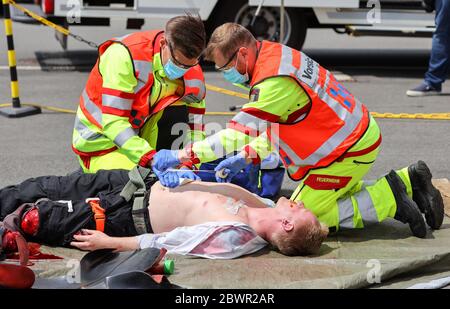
x,y
142,84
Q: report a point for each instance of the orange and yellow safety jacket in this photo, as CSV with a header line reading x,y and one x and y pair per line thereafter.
x,y
311,120
110,118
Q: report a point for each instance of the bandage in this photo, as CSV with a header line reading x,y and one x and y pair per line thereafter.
x,y
221,174
183,181
233,206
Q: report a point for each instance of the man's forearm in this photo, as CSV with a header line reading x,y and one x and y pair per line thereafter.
x,y
216,146
124,243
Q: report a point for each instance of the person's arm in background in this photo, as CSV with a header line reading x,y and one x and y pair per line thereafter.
x,y
118,86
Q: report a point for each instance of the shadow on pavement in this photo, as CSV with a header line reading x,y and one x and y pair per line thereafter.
x,y
376,62
77,60
391,63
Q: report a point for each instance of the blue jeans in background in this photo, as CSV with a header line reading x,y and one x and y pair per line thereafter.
x,y
439,66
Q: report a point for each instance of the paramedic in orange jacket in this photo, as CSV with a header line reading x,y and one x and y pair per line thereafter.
x,y
142,85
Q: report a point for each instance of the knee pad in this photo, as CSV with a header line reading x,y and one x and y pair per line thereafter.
x,y
30,222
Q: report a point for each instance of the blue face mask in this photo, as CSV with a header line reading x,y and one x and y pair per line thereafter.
x,y
233,76
173,71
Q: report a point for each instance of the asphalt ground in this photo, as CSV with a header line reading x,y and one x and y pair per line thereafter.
x,y
381,70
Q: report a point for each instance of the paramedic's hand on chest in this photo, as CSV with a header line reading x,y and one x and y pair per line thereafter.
x,y
174,178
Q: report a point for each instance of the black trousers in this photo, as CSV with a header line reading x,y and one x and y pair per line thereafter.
x,y
58,221
171,116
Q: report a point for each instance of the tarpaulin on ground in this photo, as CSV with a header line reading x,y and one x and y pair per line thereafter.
x,y
384,255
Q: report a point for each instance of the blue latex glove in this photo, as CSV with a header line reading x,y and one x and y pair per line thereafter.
x,y
169,179
172,179
231,167
164,159
187,173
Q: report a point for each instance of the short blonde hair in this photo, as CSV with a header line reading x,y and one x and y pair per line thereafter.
x,y
227,39
306,240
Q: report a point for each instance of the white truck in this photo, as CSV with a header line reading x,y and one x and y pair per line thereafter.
x,y
355,17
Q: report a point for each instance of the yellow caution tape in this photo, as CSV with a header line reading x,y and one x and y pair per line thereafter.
x,y
48,23
39,18
434,116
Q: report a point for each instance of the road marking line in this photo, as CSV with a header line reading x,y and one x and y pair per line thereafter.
x,y
341,77
23,68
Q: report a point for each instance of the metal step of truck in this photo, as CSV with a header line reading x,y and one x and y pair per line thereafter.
x,y
389,31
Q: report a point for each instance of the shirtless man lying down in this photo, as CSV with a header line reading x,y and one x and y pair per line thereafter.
x,y
204,219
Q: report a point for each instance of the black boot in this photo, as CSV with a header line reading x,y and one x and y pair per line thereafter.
x,y
407,210
426,196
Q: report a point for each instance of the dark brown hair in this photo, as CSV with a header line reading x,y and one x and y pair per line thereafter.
x,y
186,34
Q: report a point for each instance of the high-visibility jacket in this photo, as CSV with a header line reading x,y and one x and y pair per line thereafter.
x,y
315,130
100,108
335,121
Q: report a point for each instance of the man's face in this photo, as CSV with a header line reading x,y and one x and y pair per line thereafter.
x,y
168,51
296,212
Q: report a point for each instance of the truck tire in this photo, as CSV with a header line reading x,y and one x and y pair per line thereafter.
x,y
267,24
